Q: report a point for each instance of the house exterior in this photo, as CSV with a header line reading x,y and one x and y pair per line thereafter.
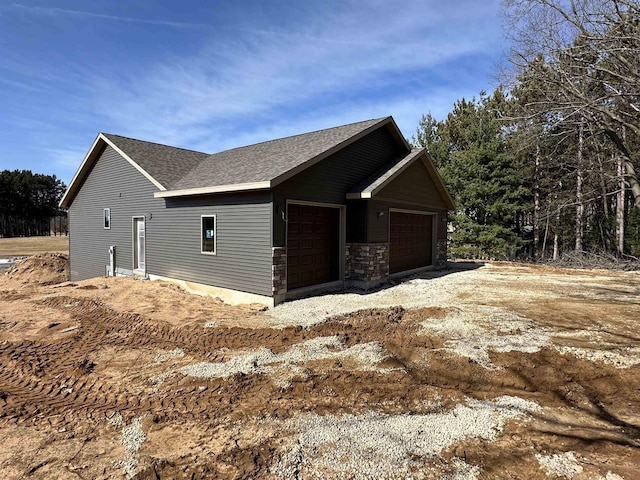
x,y
346,206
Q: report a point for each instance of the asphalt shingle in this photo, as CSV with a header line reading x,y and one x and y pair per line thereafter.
x,y
266,161
164,163
180,169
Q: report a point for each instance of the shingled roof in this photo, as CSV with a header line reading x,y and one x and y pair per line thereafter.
x,y
370,186
178,171
164,163
267,161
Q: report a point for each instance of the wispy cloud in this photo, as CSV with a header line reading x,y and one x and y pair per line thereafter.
x,y
79,13
67,158
244,78
406,111
263,75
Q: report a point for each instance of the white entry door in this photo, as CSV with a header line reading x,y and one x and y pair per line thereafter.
x,y
138,244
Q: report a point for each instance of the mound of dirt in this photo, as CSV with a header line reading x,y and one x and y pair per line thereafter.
x,y
41,269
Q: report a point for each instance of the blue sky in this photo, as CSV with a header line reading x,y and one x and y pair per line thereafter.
x,y
212,75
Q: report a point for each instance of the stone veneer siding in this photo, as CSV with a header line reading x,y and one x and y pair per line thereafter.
x,y
441,252
279,270
367,262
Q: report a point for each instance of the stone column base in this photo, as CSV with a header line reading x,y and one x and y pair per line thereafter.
x,y
367,264
278,271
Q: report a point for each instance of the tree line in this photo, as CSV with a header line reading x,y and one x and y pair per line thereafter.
x,y
29,204
547,163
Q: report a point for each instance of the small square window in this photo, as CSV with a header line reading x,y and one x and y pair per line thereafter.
x,y
107,218
208,234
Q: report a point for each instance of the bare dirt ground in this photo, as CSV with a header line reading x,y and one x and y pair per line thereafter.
x,y
503,371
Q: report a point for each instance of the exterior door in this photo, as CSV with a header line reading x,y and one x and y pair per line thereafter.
x,y
139,244
313,245
410,241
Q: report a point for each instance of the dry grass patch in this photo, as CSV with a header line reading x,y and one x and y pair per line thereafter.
x,y
25,246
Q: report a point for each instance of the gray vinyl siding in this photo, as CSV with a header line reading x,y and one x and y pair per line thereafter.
x,y
243,246
331,179
414,185
112,183
243,259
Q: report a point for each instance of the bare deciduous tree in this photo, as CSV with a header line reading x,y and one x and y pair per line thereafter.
x,y
584,57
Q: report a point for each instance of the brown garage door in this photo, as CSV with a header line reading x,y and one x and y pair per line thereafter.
x,y
410,241
312,245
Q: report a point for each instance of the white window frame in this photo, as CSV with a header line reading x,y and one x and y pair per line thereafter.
x,y
106,211
215,234
134,248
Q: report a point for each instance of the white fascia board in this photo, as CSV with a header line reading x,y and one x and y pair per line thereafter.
x,y
73,186
63,200
438,180
135,165
395,127
392,173
358,195
238,187
395,171
312,161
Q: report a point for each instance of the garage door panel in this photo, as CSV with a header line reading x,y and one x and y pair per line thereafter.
x,y
294,245
321,258
313,247
410,241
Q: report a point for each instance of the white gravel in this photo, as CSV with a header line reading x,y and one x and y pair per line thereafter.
x,y
247,363
162,357
132,439
263,360
559,464
376,445
115,420
424,291
462,471
619,356
611,476
473,331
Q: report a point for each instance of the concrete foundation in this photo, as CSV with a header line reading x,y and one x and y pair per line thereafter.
x,y
227,295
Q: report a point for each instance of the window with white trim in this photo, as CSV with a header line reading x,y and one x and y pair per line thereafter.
x,y
208,234
107,218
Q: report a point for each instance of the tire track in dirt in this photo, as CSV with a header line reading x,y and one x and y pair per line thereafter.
x,y
42,379
41,383
121,328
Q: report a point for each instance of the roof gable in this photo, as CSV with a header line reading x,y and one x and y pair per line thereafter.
x,y
164,163
267,164
386,181
99,144
179,172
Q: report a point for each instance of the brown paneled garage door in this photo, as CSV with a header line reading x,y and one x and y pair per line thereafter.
x,y
313,235
410,241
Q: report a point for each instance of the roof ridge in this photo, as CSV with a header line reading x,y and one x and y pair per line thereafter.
x,y
375,120
154,143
